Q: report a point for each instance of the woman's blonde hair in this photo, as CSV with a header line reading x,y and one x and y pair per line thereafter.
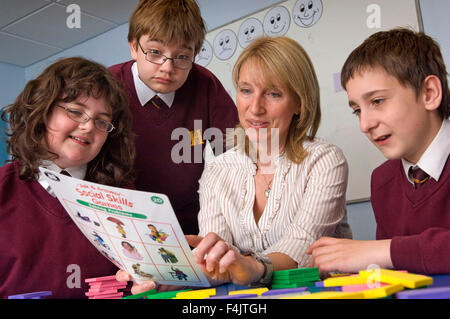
x,y
284,62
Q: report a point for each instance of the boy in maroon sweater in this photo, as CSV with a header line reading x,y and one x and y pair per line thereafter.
x,y
396,83
164,37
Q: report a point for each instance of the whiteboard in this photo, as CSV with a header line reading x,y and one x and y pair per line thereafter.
x,y
329,36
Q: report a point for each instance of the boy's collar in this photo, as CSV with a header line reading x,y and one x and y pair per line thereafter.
x,y
145,93
435,156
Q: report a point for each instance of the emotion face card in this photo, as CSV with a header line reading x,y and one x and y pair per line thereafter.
x,y
249,30
225,44
306,13
277,21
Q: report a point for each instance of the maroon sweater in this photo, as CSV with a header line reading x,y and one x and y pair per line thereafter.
x,y
39,241
202,97
417,220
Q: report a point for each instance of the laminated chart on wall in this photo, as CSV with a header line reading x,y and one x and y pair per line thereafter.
x,y
137,231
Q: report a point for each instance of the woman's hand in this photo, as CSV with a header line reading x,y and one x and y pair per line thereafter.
x,y
222,263
147,285
122,275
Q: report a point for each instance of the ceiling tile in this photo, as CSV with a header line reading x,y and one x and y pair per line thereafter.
x,y
117,11
49,27
22,52
11,10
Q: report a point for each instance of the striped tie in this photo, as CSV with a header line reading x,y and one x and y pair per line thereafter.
x,y
64,172
418,175
157,102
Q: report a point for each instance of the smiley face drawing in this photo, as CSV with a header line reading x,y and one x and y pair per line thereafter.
x,y
225,44
249,30
277,21
205,54
306,13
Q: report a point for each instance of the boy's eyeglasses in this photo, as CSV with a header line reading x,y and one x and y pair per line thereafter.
x,y
158,58
81,117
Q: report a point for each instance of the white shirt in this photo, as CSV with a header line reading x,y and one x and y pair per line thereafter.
x,y
306,202
145,93
77,172
434,158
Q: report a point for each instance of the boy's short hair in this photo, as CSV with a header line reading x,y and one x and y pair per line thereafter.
x,y
66,80
172,21
407,55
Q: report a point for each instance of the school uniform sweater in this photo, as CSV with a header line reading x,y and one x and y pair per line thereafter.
x,y
41,247
167,139
417,220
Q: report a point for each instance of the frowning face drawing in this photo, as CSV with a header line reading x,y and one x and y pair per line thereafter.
x,y
225,44
277,21
307,12
249,30
205,55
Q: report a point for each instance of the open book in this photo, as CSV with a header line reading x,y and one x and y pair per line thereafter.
x,y
137,231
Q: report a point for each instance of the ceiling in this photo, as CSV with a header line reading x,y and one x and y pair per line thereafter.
x,y
31,30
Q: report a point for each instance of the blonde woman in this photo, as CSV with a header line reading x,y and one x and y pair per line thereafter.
x,y
279,189
265,201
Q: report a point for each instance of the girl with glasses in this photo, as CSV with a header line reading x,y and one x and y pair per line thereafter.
x,y
73,117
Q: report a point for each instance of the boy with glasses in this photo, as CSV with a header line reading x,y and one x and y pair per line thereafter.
x,y
168,91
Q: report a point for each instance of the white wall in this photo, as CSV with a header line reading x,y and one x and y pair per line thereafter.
x,y
436,23
12,81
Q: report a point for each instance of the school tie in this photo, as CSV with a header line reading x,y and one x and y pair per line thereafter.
x,y
157,102
64,172
419,176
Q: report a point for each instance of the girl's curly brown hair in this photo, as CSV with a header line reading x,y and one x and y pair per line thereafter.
x,y
66,80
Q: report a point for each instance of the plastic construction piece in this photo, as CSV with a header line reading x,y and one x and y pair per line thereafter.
x,y
117,295
334,295
106,287
440,281
196,294
107,284
294,279
237,296
343,281
313,289
319,284
284,291
382,292
293,285
305,274
427,293
106,278
225,288
166,294
353,288
395,277
101,293
331,295
257,291
142,295
340,274
32,295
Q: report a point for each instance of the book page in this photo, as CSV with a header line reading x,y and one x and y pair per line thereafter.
x,y
137,231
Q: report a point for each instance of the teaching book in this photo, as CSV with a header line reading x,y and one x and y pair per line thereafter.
x,y
137,231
